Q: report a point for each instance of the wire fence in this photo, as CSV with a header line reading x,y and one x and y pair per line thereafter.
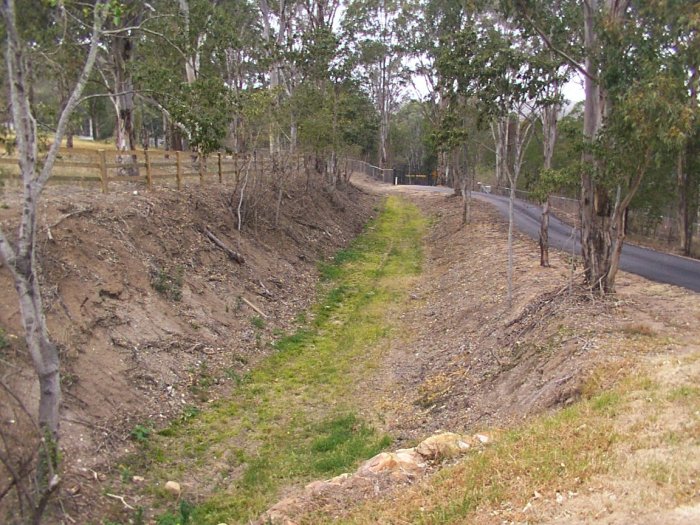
x,y
377,173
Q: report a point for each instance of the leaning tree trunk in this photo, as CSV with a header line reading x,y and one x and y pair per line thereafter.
x,y
20,259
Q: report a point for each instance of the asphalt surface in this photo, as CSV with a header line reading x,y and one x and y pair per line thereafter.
x,y
650,264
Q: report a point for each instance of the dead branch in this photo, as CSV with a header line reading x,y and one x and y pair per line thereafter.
x,y
120,498
258,310
235,256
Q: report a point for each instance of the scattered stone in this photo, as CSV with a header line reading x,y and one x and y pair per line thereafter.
x,y
377,474
442,446
173,487
138,479
404,464
481,438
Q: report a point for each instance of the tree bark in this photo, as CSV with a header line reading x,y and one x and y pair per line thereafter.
x,y
544,235
595,240
549,133
21,258
601,238
123,100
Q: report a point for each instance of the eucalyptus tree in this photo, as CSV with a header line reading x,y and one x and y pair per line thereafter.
x,y
491,62
678,23
635,109
18,252
278,24
560,24
428,24
114,65
374,27
410,138
195,59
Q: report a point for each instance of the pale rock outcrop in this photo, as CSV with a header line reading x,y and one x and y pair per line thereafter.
x,y
375,476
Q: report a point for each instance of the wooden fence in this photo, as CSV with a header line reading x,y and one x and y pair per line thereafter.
x,y
141,166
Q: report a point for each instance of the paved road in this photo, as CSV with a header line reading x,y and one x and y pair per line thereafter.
x,y
653,265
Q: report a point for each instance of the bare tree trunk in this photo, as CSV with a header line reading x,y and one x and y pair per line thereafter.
x,y
683,216
21,258
500,134
509,277
123,100
549,133
544,234
599,225
520,141
594,244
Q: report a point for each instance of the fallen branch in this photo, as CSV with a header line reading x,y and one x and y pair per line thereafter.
x,y
246,301
120,498
235,256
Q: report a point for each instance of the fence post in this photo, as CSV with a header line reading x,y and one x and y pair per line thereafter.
x,y
178,164
149,179
201,168
103,169
220,170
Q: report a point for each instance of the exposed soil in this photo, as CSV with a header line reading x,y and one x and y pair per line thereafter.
x,y
465,362
150,316
468,362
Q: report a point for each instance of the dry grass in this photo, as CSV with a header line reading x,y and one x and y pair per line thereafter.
x,y
635,435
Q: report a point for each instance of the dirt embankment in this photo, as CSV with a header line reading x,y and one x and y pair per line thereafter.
x,y
151,316
468,362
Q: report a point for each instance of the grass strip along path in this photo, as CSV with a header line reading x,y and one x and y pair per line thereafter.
x,y
294,418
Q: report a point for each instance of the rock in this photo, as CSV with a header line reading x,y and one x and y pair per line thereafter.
x,y
442,446
481,438
405,462
173,487
279,514
138,479
318,487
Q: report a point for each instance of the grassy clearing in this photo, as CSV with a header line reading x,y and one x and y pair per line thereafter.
x,y
293,419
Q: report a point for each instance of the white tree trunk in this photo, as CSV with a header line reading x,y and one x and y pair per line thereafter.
x,y
21,258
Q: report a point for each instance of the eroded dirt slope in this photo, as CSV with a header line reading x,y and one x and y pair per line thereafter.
x,y
151,317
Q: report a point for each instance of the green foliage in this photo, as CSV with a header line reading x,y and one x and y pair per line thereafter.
x,y
554,181
125,473
141,433
258,322
4,343
341,440
181,517
204,108
168,282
